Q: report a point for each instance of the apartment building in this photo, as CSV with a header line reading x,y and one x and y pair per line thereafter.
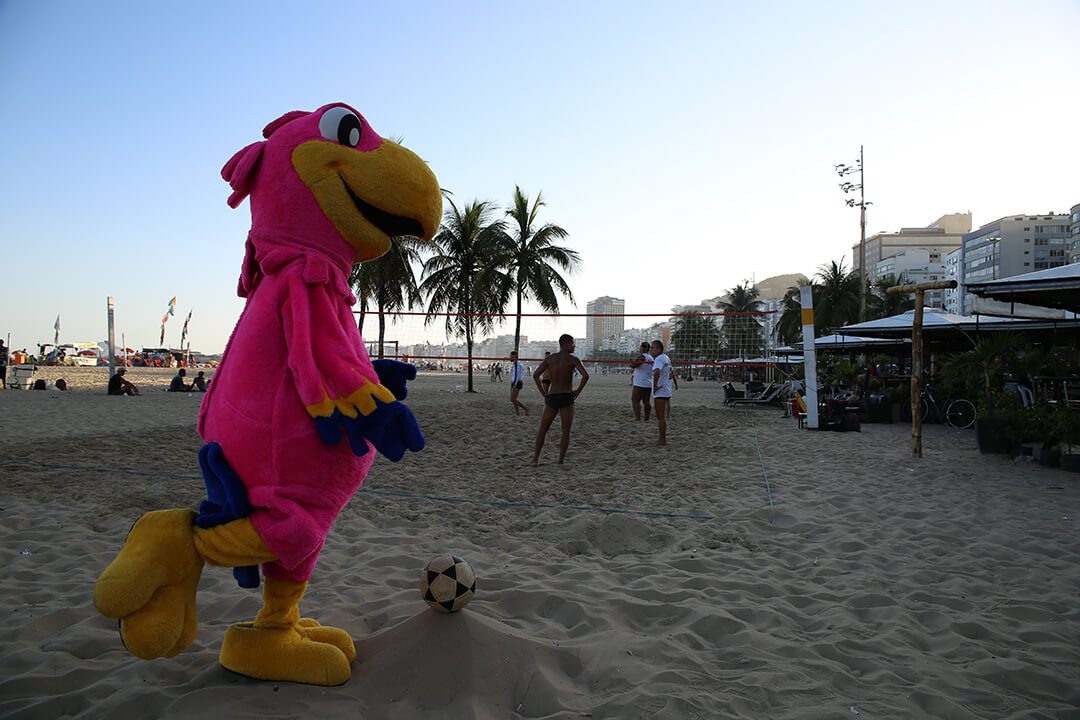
x,y
599,326
916,265
1074,234
952,272
942,236
1012,245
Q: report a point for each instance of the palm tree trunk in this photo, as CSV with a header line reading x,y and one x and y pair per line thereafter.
x,y
382,327
468,348
517,325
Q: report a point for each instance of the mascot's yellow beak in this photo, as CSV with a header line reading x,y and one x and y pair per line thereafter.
x,y
371,196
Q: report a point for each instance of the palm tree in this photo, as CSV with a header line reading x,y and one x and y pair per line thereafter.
x,y
462,279
789,326
838,304
880,304
742,333
533,260
388,283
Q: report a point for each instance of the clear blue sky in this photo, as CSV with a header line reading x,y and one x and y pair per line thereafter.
x,y
686,147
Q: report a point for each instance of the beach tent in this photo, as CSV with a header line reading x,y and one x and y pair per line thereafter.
x,y
1057,287
959,331
842,343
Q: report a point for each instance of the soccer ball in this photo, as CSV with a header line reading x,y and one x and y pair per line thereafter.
x,y
448,583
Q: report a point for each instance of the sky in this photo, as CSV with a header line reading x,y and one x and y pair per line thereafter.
x,y
686,147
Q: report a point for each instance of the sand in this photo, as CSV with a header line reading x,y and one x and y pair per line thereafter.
x,y
886,586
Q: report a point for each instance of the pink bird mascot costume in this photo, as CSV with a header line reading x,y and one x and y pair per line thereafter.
x,y
326,193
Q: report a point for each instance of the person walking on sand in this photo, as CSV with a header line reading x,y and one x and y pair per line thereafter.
x,y
661,390
559,396
517,381
642,382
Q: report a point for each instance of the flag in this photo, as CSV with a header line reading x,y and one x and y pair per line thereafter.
x,y
183,333
56,327
172,305
162,340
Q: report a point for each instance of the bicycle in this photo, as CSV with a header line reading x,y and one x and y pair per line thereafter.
x,y
959,413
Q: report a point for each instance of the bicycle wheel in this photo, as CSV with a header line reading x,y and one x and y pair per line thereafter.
x,y
924,409
960,414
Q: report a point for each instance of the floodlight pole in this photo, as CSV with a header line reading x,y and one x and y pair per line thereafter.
x,y
862,238
847,187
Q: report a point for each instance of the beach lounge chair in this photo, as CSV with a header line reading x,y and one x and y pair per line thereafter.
x,y
772,395
730,393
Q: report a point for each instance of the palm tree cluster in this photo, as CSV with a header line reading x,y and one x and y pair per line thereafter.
x,y
835,292
479,263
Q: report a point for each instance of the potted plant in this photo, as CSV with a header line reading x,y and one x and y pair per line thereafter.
x,y
901,402
1068,422
1048,426
988,358
1028,425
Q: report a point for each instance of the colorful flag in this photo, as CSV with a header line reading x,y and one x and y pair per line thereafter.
x,y
56,337
172,305
183,333
162,340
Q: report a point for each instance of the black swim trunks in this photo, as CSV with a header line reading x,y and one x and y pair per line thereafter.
x,y
519,384
556,401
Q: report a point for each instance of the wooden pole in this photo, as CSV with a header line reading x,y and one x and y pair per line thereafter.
x,y
916,352
916,374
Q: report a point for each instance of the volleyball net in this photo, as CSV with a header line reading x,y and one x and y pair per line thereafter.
x,y
701,340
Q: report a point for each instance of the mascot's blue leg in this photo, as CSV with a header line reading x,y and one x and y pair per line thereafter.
x,y
226,500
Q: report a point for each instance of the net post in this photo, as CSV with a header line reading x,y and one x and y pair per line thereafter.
x,y
806,298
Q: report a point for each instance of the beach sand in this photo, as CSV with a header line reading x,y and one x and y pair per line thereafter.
x,y
877,584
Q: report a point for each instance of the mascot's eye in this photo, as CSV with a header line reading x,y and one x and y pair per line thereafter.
x,y
341,125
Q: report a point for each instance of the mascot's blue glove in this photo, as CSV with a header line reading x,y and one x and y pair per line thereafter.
x,y
391,428
393,376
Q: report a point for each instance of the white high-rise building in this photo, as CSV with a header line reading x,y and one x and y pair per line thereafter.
x,y
599,327
916,265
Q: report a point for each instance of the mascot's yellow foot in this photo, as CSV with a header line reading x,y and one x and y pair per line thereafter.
x,y
150,586
312,630
284,654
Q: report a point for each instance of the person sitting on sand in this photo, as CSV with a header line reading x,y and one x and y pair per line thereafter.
x,y
199,383
119,385
177,384
559,396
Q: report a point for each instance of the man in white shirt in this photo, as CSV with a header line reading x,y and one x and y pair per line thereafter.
x,y
661,390
639,396
517,380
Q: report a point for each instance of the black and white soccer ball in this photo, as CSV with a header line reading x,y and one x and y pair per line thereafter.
x,y
448,583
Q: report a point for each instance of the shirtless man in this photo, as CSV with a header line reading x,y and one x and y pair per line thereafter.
x,y
559,396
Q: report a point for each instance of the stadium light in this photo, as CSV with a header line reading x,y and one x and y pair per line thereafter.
x,y
849,187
